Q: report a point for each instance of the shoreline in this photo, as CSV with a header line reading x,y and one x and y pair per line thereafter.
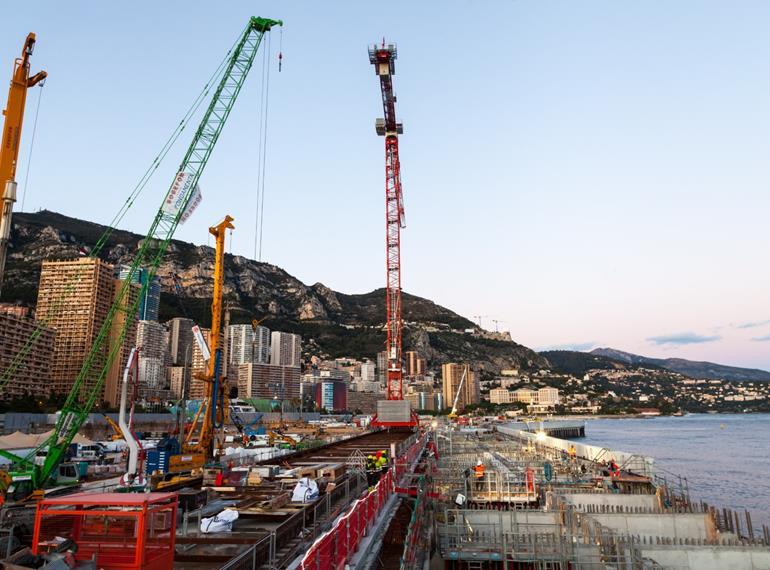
x,y
643,417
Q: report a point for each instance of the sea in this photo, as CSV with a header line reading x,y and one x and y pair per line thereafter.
x,y
724,457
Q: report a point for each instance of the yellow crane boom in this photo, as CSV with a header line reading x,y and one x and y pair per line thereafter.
x,y
9,151
118,434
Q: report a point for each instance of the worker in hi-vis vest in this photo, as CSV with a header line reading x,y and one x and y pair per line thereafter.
x,y
478,472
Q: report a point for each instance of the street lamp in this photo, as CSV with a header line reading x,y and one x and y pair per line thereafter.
x,y
276,385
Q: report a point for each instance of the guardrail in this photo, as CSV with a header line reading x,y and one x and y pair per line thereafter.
x,y
333,549
637,464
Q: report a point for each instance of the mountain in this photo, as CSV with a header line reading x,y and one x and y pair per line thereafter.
x,y
691,368
332,324
578,363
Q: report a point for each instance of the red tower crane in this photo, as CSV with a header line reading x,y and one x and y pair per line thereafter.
x,y
383,58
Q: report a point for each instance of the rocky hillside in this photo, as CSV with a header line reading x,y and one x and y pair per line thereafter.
x,y
332,323
691,368
578,363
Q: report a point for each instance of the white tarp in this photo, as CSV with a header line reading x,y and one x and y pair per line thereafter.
x,y
20,440
223,522
305,491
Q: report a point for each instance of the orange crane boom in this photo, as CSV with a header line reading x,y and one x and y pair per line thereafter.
x,y
9,151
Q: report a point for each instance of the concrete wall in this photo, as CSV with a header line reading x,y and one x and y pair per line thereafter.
x,y
669,525
511,521
710,558
581,500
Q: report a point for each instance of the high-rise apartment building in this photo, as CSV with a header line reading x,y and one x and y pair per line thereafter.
x,y
248,345
268,381
152,373
451,375
177,376
180,341
150,301
368,372
382,367
152,340
73,298
114,378
198,365
285,349
331,395
415,364
32,375
423,401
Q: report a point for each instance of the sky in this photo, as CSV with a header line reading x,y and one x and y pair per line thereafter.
x,y
587,173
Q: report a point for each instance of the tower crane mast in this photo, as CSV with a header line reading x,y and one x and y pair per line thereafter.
x,y
383,58
9,152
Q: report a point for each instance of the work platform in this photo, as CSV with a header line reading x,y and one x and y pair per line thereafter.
x,y
538,507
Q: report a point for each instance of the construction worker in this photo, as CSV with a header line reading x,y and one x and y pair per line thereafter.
x,y
478,472
572,452
382,460
371,470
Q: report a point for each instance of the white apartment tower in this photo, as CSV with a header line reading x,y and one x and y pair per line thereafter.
x,y
248,345
152,340
368,372
285,349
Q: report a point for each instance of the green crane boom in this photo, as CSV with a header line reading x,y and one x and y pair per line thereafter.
x,y
180,197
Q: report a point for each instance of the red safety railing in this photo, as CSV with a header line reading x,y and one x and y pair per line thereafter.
x,y
333,549
403,464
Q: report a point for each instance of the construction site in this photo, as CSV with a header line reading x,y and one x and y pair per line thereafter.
x,y
225,487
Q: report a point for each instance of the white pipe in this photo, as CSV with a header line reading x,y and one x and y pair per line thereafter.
x,y
133,445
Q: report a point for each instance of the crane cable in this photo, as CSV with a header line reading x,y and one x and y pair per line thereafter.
x,y
167,146
31,145
259,154
262,151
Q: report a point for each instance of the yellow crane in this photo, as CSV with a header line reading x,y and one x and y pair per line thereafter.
x,y
197,441
9,151
214,407
118,435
